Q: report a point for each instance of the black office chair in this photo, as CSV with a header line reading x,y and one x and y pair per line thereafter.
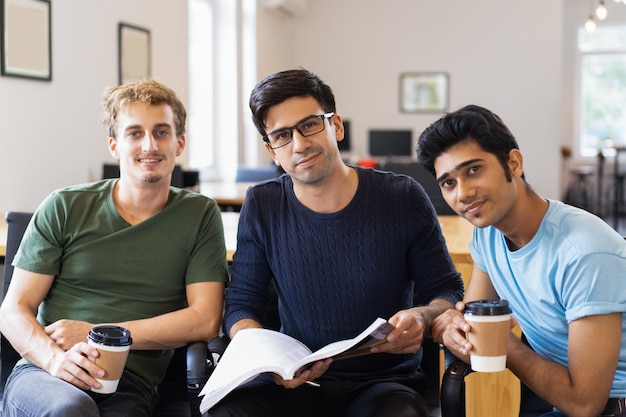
x,y
416,171
187,372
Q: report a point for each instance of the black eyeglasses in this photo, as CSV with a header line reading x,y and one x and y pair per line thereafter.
x,y
308,126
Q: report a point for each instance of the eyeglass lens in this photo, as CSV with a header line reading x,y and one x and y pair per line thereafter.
x,y
308,127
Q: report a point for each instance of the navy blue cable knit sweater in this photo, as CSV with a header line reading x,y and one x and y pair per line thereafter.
x,y
335,273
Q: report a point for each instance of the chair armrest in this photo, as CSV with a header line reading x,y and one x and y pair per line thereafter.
x,y
202,358
453,389
217,346
197,363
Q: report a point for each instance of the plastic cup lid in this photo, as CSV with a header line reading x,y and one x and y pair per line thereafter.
x,y
492,307
109,335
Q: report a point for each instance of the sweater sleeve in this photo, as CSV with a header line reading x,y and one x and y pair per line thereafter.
x,y
246,295
431,266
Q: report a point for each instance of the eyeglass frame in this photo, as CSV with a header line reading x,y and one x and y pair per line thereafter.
x,y
324,117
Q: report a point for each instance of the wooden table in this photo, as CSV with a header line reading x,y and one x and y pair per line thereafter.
x,y
3,238
458,234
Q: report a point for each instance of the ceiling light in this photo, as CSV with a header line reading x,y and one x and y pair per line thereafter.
x,y
590,24
601,10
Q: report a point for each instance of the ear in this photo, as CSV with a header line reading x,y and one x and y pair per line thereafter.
x,y
272,154
181,142
516,163
113,149
337,121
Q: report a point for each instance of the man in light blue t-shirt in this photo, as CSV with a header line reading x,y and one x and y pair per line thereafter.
x,y
561,268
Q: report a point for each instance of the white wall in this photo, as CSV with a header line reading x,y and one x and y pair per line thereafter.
x,y
51,134
504,55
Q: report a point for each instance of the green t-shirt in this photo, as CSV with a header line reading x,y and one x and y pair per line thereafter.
x,y
108,271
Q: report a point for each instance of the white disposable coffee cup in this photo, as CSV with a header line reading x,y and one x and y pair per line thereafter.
x,y
113,344
490,327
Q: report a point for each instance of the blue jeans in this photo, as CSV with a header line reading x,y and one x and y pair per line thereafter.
x,y
31,391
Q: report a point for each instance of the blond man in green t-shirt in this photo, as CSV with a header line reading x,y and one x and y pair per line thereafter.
x,y
134,252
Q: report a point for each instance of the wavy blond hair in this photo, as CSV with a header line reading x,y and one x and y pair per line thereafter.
x,y
150,92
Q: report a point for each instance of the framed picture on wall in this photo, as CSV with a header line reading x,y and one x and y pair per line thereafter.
x,y
134,53
424,92
25,39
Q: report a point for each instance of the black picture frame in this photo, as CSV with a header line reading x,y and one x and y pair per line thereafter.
x,y
134,54
424,92
26,39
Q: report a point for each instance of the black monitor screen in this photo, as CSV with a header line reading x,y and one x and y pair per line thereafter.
x,y
391,142
344,145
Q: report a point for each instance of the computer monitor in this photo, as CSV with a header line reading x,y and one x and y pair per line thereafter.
x,y
391,142
344,145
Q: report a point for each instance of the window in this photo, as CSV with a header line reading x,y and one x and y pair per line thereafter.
x,y
222,71
201,77
602,106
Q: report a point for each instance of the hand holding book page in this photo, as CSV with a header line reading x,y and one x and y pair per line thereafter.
x,y
254,351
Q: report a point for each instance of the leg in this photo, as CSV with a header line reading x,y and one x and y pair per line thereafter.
x,y
132,399
388,399
263,398
31,391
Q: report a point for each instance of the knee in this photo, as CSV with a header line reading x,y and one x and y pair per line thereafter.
x,y
78,405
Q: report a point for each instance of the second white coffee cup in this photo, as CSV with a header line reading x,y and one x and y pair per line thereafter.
x,y
490,322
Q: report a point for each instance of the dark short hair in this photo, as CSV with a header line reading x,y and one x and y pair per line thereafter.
x,y
278,87
473,123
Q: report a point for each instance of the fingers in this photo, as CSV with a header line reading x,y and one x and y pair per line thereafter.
x,y
407,335
67,333
307,375
452,328
75,367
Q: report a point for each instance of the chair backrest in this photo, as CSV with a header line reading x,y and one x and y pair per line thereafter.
x,y
255,174
110,171
425,178
16,222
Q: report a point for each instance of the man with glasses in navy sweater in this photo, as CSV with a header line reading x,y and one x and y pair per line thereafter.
x,y
344,245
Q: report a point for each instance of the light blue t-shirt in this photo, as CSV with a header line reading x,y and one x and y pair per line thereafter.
x,y
575,266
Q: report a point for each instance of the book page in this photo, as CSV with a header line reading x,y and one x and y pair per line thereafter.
x,y
342,349
254,351
251,352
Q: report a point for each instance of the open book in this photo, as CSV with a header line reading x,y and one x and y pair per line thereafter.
x,y
254,351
